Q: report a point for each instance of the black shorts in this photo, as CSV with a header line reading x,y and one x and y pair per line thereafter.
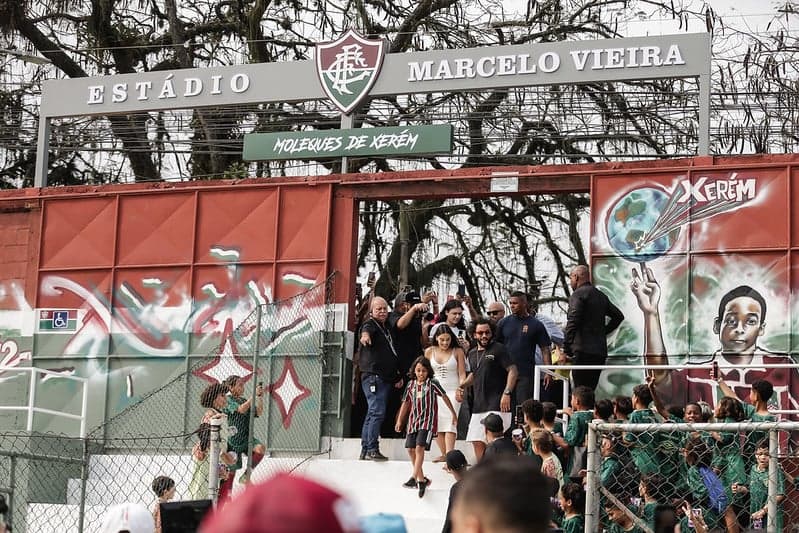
x,y
423,437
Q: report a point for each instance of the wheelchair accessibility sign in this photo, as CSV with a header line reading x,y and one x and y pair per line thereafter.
x,y
58,320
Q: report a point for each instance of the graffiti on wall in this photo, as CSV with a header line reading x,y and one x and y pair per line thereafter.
x,y
703,268
154,322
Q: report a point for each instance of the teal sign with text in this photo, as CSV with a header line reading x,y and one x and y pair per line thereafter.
x,y
361,142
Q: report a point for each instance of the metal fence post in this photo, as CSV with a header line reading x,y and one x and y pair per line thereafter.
x,y
591,496
31,401
253,402
84,477
12,483
773,472
213,460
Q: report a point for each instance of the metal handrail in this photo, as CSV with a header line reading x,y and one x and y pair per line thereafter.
x,y
539,370
31,408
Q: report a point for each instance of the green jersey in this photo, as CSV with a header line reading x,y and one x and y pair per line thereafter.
x,y
758,492
752,438
576,432
727,458
609,471
573,524
648,514
643,446
701,496
239,424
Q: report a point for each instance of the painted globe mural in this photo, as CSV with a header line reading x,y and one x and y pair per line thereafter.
x,y
631,222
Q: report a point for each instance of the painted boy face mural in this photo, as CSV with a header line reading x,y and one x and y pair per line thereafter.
x,y
739,323
741,320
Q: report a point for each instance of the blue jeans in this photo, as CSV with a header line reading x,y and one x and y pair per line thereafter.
x,y
375,411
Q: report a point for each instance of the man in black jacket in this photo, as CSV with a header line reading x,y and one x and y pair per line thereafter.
x,y
379,372
587,327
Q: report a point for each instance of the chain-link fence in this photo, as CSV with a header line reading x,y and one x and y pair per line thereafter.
x,y
55,483
732,475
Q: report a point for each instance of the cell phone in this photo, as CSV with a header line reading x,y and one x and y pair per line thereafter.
x,y
371,277
461,290
260,383
716,374
518,416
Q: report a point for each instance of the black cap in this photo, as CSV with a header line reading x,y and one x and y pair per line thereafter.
x,y
412,297
493,423
456,460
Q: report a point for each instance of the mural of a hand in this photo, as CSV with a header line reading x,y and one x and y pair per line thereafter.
x,y
646,290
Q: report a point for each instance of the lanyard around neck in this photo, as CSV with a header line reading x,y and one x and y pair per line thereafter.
x,y
387,335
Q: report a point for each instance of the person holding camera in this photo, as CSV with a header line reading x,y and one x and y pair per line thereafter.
x,y
406,323
410,310
451,315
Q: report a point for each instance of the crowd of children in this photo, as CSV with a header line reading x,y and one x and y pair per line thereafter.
x,y
705,480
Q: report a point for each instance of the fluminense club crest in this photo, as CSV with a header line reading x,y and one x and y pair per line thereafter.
x,y
348,68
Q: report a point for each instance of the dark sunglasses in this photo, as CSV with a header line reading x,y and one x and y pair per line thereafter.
x,y
492,313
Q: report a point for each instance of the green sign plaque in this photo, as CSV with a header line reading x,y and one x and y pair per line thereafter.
x,y
397,140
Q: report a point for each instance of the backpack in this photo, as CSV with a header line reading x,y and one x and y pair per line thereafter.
x,y
383,523
715,490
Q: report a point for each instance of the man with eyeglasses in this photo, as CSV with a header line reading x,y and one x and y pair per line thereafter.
x,y
492,380
495,311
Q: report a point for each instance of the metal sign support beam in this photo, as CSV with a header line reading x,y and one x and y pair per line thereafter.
x,y
466,69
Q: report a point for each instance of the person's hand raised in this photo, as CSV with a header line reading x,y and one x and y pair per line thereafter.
x,y
646,290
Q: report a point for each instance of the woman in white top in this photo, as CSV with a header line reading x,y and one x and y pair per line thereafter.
x,y
449,364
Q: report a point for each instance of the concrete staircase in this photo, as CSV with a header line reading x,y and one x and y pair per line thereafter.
x,y
373,487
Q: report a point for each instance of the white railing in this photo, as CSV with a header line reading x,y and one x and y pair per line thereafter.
x,y
540,370
31,408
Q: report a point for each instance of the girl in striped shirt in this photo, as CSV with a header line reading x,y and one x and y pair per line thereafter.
x,y
419,400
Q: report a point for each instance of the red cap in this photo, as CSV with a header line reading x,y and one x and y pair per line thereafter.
x,y
285,504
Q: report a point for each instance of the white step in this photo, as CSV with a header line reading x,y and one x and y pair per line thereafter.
x,y
375,487
372,486
50,517
392,448
149,466
141,466
116,487
108,491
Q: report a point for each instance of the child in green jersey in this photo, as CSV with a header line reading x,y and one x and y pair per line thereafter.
x,y
572,501
758,489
